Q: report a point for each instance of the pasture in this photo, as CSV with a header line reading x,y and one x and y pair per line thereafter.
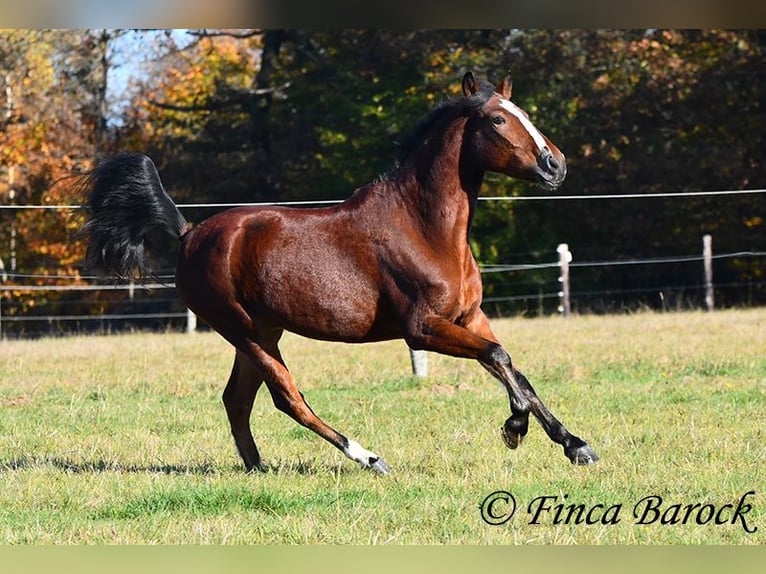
x,y
124,439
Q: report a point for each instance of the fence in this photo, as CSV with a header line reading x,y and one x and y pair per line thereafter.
x,y
564,264
142,311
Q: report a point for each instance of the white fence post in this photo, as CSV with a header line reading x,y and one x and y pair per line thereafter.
x,y
419,363
565,258
191,321
707,255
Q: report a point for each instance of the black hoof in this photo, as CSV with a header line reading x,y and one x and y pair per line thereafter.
x,y
514,430
582,455
260,467
511,439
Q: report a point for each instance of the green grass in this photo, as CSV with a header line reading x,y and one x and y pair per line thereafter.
x,y
124,439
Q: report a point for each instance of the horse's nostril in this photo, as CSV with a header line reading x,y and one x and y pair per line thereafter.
x,y
548,162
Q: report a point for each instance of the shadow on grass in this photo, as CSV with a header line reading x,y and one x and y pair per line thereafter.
x,y
307,468
105,466
283,467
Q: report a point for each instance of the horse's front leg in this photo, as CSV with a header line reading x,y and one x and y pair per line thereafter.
x,y
476,340
514,429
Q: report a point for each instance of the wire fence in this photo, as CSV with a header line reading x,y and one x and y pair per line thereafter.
x,y
309,203
134,306
86,303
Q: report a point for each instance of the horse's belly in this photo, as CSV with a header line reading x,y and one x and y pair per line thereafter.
x,y
327,305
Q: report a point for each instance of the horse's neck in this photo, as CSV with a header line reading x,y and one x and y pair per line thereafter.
x,y
443,197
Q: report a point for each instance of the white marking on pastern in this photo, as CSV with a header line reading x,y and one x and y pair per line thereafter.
x,y
357,452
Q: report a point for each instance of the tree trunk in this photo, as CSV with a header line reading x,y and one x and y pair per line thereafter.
x,y
259,110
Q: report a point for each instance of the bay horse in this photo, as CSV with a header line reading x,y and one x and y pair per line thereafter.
x,y
391,262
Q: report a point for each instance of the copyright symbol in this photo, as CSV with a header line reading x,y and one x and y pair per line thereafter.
x,y
498,508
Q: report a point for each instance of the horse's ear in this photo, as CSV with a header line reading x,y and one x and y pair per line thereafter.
x,y
505,87
470,87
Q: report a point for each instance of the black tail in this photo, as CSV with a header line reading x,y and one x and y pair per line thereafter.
x,y
126,203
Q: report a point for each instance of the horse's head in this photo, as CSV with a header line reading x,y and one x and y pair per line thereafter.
x,y
506,141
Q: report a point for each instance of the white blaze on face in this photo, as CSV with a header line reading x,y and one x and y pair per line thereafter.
x,y
514,110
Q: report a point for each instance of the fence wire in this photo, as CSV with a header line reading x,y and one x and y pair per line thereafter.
x,y
14,285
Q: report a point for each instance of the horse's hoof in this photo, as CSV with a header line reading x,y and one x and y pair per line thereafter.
x,y
511,439
380,466
583,455
258,467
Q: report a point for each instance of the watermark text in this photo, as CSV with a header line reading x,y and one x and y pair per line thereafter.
x,y
500,506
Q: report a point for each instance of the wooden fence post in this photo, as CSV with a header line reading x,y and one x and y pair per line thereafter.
x,y
707,256
419,363
3,278
565,257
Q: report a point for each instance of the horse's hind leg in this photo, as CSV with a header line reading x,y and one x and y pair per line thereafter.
x,y
288,399
238,399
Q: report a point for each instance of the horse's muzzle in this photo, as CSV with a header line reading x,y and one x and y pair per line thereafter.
x,y
551,169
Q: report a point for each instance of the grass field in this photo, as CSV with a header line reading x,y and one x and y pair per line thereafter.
x,y
124,440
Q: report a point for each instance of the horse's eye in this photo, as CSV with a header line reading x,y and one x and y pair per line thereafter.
x,y
498,120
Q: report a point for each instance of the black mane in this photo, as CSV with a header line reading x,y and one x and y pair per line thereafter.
x,y
459,106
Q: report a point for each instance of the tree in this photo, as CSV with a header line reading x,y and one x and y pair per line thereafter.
x,y
638,111
280,115
55,85
631,109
